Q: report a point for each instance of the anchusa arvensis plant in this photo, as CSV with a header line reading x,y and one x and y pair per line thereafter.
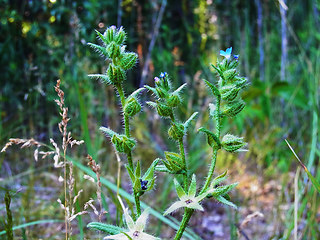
x,y
227,104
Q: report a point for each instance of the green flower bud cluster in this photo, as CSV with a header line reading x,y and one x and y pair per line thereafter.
x,y
232,143
121,142
167,98
132,105
229,86
113,49
145,183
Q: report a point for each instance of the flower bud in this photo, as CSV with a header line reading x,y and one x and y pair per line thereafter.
x,y
229,74
132,107
109,33
128,60
233,108
229,92
174,161
232,143
174,100
163,110
176,131
113,50
122,143
115,74
120,36
162,93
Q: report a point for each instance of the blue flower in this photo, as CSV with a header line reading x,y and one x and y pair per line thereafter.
x,y
236,57
162,75
227,53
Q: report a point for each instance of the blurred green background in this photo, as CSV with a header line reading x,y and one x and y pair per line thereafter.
x,y
278,43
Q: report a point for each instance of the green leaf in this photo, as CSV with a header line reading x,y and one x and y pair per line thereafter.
x,y
107,228
131,175
213,140
218,71
179,189
137,172
108,131
152,104
102,37
178,90
102,77
213,88
220,191
219,179
225,201
163,168
128,60
193,186
152,89
150,172
192,117
99,49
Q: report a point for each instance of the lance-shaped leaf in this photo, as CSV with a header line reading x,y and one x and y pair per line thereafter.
x,y
218,179
152,89
213,140
102,77
218,71
103,38
213,88
107,228
225,201
192,117
222,190
99,49
128,60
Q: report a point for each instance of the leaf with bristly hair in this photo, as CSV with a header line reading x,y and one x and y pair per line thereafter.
x,y
102,37
99,49
128,60
213,140
225,201
179,189
102,77
187,123
108,131
107,228
213,88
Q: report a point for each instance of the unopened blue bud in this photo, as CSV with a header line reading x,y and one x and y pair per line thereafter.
x,y
236,57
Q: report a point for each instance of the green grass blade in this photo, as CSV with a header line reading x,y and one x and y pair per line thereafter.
x,y
33,223
315,183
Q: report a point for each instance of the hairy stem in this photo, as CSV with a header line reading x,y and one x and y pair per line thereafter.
x,y
186,217
211,170
185,175
129,154
214,150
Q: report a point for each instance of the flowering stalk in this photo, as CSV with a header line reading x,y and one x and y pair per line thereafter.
x,y
120,61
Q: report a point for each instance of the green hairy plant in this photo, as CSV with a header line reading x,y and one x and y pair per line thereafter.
x,y
227,104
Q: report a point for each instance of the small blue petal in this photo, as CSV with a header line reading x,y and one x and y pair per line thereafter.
x,y
236,57
222,53
229,50
162,75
